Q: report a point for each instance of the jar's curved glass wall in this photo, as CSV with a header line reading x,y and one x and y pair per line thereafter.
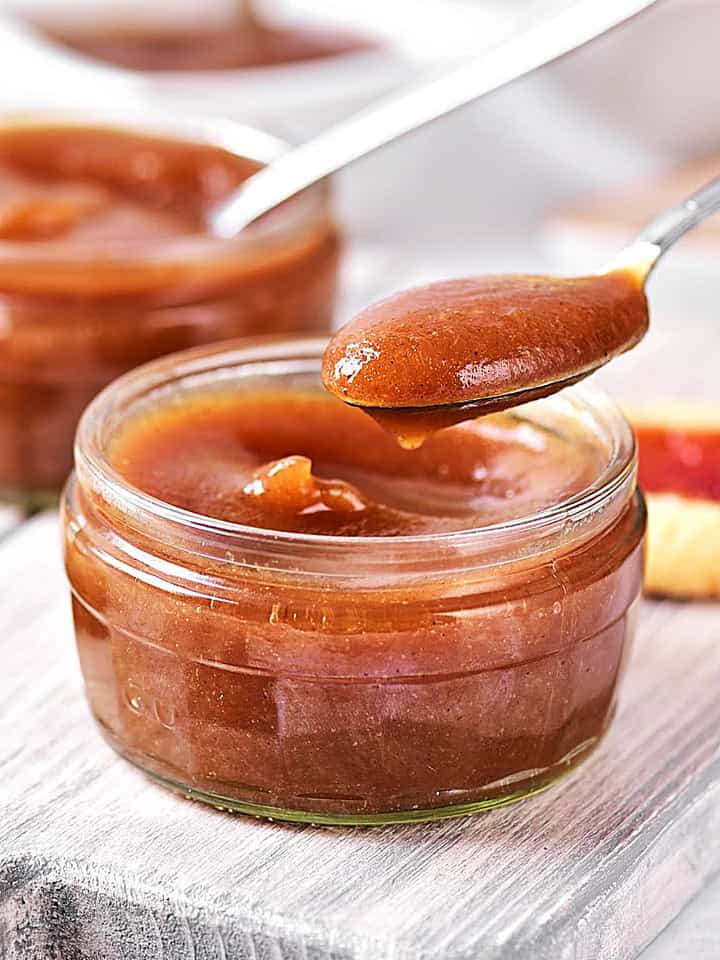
x,y
356,681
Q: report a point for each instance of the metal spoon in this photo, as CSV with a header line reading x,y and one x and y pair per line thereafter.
x,y
640,258
398,356
662,232
416,105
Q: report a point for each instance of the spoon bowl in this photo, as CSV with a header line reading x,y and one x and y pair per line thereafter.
x,y
451,351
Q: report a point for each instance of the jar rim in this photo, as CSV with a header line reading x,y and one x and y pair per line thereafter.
x,y
242,140
94,470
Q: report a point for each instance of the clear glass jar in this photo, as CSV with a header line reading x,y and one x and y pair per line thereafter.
x,y
75,316
349,680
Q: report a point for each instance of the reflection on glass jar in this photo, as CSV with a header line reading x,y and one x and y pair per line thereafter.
x,y
361,674
106,262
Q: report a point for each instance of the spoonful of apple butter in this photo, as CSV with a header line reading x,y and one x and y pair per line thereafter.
x,y
432,356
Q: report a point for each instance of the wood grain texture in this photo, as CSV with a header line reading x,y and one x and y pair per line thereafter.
x,y
97,863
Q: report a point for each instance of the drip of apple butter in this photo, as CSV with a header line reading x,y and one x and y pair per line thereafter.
x,y
438,354
680,461
303,461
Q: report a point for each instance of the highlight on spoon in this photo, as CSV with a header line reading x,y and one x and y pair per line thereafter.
x,y
455,349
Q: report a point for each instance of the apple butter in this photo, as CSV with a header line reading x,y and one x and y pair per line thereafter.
x,y
280,611
106,261
434,355
245,44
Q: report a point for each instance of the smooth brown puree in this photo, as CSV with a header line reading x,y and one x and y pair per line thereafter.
x,y
464,342
93,186
306,462
351,692
106,262
246,44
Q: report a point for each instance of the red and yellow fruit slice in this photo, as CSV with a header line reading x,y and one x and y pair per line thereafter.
x,y
679,473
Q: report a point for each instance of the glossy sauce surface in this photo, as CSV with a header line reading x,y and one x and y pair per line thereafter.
x,y
89,185
463,341
303,461
685,462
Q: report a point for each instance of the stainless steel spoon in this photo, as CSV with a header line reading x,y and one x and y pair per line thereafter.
x,y
417,105
640,257
360,362
662,232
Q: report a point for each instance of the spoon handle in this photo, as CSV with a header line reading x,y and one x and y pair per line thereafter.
x,y
662,232
417,105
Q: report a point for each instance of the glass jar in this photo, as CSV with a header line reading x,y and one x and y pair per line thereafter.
x,y
348,680
76,315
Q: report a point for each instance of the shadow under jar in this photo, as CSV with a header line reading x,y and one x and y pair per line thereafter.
x,y
106,262
336,676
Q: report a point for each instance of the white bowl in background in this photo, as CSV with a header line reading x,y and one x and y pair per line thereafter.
x,y
412,35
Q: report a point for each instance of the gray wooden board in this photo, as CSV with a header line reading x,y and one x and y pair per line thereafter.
x,y
694,934
98,863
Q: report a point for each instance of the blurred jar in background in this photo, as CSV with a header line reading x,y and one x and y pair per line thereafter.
x,y
106,262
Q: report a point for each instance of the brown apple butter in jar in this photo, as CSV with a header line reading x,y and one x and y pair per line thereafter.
x,y
281,611
106,261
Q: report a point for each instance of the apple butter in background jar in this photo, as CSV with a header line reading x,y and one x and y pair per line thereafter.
x,y
106,262
280,611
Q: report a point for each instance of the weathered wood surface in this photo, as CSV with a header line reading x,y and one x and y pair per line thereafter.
x,y
97,863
